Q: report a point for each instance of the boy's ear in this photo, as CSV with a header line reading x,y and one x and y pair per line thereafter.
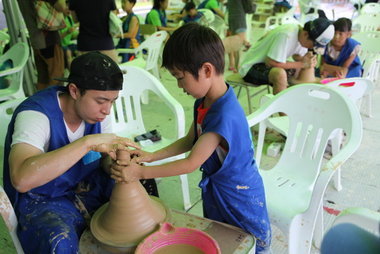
x,y
349,33
208,68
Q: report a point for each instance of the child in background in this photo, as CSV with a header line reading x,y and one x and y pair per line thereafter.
x,y
192,15
131,33
341,55
68,35
212,5
157,16
219,139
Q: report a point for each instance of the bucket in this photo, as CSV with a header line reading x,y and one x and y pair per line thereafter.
x,y
169,240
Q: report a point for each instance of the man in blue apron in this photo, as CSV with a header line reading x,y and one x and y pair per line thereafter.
x,y
54,172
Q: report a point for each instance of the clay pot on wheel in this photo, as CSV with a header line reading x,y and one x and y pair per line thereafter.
x,y
129,216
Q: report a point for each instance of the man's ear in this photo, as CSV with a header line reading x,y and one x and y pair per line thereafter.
x,y
74,91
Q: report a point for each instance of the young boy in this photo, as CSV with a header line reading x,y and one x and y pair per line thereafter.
x,y
192,15
219,138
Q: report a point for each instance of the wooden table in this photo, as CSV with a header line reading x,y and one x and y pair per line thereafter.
x,y
231,240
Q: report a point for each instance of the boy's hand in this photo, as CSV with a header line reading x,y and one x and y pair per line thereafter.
x,y
126,171
142,156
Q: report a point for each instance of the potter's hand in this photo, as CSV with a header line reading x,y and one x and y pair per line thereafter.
x,y
142,156
126,173
109,143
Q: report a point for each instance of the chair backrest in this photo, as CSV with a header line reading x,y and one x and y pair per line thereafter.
x,y
370,41
210,16
10,219
6,111
126,111
219,26
353,88
18,54
314,112
370,8
153,45
363,23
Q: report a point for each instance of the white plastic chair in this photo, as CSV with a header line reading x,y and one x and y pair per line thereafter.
x,y
364,23
6,209
275,21
127,115
149,61
10,219
295,186
369,53
219,26
370,8
209,15
362,87
18,54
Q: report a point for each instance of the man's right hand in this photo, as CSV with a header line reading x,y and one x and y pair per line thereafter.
x,y
109,143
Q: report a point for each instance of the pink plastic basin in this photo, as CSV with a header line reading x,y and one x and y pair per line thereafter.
x,y
169,236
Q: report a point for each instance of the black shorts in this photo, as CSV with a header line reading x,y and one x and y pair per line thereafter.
x,y
259,74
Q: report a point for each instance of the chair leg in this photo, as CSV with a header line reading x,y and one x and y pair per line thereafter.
x,y
185,192
249,100
336,143
260,143
319,229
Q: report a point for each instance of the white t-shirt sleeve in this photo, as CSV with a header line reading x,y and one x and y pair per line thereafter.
x,y
278,49
32,127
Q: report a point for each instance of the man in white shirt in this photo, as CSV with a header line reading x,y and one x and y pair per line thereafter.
x,y
54,173
267,61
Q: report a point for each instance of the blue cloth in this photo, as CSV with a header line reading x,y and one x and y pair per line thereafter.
x,y
233,190
355,69
126,42
196,18
49,220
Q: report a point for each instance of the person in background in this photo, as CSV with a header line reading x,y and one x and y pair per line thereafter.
x,y
157,16
131,32
219,140
341,55
68,34
192,15
48,53
54,172
267,61
213,5
93,17
237,25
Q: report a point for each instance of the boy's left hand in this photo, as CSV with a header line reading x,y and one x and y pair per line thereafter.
x,y
126,171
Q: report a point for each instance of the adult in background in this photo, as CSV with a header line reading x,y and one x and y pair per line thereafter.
x,y
48,53
267,62
93,17
54,173
237,26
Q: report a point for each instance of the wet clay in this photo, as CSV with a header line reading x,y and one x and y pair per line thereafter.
x,y
129,216
179,248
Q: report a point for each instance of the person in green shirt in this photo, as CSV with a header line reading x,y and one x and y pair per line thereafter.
x,y
68,34
213,5
157,16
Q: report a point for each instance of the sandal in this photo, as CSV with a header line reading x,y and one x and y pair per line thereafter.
x,y
233,69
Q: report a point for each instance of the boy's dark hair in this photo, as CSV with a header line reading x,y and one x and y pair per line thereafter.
x,y
157,4
190,5
192,45
343,25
